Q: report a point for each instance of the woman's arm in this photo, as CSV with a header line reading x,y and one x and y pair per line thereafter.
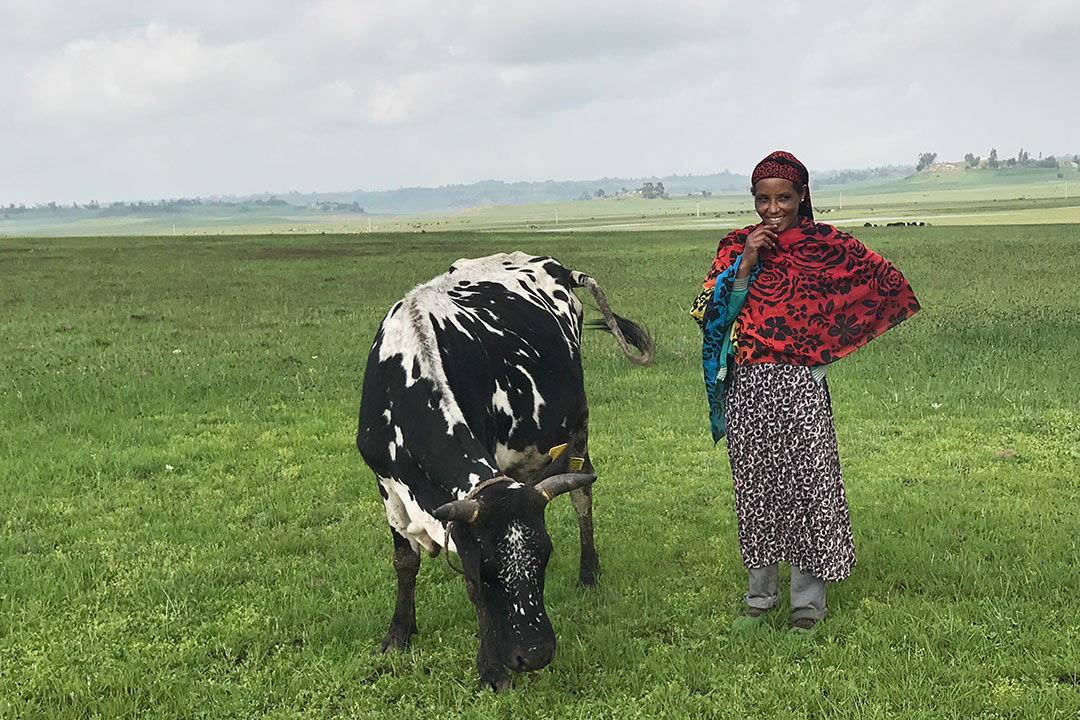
x,y
759,240
739,288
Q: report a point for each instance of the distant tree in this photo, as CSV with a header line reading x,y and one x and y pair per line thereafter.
x,y
600,193
648,191
925,160
585,195
1011,162
972,160
992,161
652,191
1023,158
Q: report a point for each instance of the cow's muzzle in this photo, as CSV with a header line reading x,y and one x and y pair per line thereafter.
x,y
526,659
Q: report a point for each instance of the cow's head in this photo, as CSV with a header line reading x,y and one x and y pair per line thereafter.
x,y
504,549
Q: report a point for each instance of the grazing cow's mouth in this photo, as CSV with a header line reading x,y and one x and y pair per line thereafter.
x,y
533,658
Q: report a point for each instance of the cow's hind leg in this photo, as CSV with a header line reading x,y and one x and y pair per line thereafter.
x,y
490,668
403,624
581,499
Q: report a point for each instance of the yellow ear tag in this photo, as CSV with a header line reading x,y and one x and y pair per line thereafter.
x,y
576,463
556,451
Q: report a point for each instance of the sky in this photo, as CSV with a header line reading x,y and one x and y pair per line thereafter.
x,y
114,100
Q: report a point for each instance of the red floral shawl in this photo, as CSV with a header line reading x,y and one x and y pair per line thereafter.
x,y
820,295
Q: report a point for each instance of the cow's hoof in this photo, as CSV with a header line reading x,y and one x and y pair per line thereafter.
x,y
588,577
395,641
497,681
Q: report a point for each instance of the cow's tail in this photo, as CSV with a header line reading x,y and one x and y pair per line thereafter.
x,y
626,332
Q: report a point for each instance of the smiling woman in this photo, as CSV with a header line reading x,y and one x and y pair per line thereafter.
x,y
777,202
785,298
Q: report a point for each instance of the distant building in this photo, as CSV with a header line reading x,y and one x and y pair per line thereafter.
x,y
944,167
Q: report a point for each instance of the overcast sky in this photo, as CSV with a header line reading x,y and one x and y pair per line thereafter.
x,y
121,100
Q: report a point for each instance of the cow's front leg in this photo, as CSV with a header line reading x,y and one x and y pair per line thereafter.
x,y
493,675
403,624
581,499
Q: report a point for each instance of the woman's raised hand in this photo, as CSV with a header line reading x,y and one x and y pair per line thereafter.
x,y
760,238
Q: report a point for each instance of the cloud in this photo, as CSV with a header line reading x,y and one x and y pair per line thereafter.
x,y
140,73
245,96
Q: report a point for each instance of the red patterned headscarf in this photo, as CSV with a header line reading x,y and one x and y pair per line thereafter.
x,y
786,166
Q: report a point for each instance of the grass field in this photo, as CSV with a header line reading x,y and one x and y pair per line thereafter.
x,y
189,532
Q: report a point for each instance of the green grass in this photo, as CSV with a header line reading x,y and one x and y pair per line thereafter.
x,y
188,530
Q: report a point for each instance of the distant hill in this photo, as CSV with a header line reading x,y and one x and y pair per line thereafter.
x,y
450,198
444,199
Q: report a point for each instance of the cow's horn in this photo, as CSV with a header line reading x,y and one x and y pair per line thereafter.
x,y
458,511
558,484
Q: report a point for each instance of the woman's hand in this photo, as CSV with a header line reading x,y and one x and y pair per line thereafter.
x,y
760,238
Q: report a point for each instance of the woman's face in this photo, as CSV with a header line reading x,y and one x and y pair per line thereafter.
x,y
777,203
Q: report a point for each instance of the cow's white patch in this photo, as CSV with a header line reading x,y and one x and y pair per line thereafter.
x,y
410,520
538,400
410,335
518,564
397,442
525,464
474,480
500,401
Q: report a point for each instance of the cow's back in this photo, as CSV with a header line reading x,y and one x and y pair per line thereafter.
x,y
515,344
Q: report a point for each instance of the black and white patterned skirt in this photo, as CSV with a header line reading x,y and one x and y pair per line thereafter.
x,y
789,494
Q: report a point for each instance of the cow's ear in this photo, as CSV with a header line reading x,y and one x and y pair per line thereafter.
x,y
558,484
458,511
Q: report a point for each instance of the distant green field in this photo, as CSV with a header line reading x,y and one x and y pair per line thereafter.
x,y
984,197
189,532
1021,196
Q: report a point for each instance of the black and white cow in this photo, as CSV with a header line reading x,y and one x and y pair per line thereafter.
x,y
473,385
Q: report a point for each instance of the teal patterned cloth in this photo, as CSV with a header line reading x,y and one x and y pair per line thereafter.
x,y
717,346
